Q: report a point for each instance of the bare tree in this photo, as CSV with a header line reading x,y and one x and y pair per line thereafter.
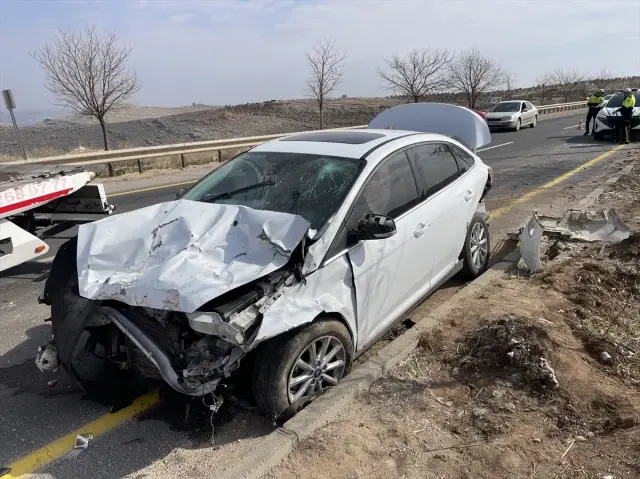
x,y
327,70
566,81
416,75
88,73
473,75
602,79
509,81
543,83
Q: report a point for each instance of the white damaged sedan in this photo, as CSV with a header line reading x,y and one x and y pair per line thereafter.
x,y
290,260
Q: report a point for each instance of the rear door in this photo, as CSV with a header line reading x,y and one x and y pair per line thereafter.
x,y
449,193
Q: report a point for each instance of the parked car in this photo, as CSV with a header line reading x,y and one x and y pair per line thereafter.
x,y
512,115
608,116
290,260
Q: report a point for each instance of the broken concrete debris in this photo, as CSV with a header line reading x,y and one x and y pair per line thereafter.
x,y
602,225
81,444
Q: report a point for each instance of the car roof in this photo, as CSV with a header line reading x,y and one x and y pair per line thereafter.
x,y
342,143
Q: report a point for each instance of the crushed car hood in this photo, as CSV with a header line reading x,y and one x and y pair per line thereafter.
x,y
178,255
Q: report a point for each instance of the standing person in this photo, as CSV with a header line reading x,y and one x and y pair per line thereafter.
x,y
626,112
594,103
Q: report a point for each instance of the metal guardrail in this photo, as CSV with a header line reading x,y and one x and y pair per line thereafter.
x,y
150,152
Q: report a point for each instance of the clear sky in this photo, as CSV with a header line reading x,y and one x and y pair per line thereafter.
x,y
235,51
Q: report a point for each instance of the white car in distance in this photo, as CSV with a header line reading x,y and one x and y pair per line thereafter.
x,y
291,259
513,115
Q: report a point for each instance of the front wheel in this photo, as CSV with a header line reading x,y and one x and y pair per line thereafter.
x,y
535,121
294,370
518,124
476,249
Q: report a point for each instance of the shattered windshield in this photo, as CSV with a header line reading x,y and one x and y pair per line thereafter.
x,y
507,107
312,186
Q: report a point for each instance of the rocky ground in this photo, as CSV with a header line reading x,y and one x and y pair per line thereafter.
x,y
52,137
536,376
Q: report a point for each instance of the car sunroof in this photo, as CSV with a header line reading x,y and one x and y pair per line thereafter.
x,y
347,137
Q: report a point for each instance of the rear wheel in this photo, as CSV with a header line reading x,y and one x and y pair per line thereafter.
x,y
292,371
535,121
476,248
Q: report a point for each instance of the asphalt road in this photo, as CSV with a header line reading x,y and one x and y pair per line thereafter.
x,y
33,414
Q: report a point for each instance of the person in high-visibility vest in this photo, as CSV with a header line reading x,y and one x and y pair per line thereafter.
x,y
626,112
594,103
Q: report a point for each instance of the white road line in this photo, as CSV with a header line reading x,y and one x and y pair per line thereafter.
x,y
496,146
572,126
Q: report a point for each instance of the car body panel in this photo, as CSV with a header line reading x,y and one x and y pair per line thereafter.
x,y
450,120
177,256
307,300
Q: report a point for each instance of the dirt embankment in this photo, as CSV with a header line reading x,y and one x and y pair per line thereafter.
x,y
58,137
535,376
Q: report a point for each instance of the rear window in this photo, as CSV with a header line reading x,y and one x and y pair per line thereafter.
x,y
616,100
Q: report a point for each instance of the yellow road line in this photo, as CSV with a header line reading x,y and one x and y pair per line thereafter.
x,y
151,188
62,446
493,214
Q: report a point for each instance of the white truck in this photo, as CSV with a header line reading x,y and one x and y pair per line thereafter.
x,y
32,195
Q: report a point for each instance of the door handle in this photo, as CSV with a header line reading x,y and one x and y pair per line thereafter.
x,y
468,196
420,230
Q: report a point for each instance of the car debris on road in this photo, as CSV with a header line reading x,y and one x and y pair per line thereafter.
x,y
602,225
291,259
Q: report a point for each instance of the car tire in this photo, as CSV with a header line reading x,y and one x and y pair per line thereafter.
x,y
275,366
476,243
535,121
518,125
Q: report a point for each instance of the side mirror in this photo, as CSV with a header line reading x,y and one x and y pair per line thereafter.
x,y
373,227
180,192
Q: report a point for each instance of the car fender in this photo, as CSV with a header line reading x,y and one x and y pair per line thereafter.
x,y
328,290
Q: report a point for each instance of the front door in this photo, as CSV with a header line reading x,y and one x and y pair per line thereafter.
x,y
386,272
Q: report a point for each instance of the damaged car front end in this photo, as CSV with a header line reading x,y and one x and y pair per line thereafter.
x,y
178,291
279,267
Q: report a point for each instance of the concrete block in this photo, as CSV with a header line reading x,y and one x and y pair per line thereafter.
x,y
401,348
170,162
229,153
101,171
123,167
273,449
202,158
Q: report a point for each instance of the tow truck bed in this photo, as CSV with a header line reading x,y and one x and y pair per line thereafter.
x,y
54,193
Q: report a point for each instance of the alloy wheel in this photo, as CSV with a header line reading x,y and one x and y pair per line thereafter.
x,y
479,248
319,366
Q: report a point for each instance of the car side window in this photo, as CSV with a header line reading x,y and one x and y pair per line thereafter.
x,y
523,106
435,167
391,190
529,106
463,159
